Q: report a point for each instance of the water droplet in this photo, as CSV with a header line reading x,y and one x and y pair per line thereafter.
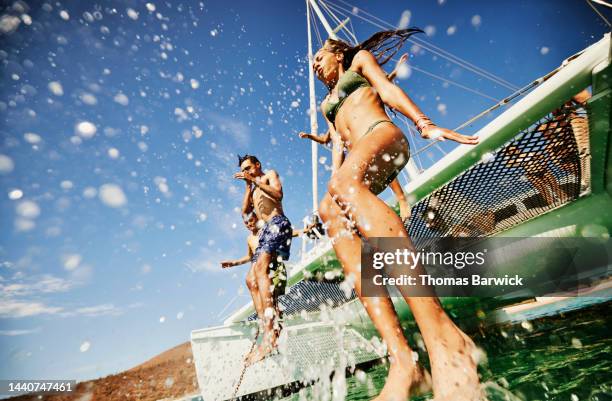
x,y
112,195
85,346
86,130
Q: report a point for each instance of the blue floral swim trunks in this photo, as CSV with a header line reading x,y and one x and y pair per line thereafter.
x,y
275,237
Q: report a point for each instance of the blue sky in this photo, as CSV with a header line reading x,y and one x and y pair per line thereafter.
x,y
120,124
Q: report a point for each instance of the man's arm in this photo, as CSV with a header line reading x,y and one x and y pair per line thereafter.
x,y
247,200
305,230
273,188
236,262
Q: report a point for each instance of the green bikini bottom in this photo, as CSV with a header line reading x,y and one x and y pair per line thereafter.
x,y
398,169
375,123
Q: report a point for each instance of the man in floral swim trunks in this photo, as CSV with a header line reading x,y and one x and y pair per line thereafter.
x,y
263,195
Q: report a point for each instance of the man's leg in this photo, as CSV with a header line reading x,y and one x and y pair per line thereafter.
x,y
251,283
264,283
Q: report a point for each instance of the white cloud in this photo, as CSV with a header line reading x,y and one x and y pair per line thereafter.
x,y
13,309
96,310
203,265
46,284
18,332
238,130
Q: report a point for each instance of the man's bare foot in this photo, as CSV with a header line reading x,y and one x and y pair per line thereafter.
x,y
454,370
404,381
254,346
249,354
260,353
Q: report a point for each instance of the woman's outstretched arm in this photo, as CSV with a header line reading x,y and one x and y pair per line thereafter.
x,y
394,97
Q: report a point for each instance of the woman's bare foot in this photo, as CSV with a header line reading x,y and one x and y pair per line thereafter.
x,y
404,381
455,376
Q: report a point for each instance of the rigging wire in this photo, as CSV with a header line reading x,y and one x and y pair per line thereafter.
x,y
449,81
352,39
597,11
440,52
419,44
316,27
437,50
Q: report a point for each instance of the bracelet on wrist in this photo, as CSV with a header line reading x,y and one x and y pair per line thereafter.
x,y
422,123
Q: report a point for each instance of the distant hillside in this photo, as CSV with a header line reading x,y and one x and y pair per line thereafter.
x,y
168,375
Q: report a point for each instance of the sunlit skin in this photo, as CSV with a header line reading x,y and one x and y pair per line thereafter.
x,y
351,201
543,178
395,185
251,279
263,196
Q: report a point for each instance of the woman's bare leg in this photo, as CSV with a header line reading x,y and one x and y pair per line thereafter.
x,y
450,350
404,373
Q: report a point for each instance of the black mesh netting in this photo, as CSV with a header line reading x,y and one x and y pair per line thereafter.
x,y
309,296
539,170
535,172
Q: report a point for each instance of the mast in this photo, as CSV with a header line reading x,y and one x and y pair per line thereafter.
x,y
313,117
313,99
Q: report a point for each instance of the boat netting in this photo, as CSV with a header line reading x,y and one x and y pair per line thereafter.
x,y
310,295
539,170
542,168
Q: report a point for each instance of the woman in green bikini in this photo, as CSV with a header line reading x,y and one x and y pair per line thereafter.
x,y
377,151
396,187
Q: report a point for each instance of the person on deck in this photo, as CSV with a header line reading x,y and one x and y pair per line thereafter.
x,y
359,90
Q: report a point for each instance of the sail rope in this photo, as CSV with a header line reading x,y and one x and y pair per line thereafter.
x,y
440,78
350,35
316,28
428,46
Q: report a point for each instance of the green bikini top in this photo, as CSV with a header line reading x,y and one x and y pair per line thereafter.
x,y
347,84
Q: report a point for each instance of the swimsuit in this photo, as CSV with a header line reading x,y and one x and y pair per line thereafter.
x,y
275,237
347,84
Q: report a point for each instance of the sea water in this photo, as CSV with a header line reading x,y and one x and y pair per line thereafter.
x,y
559,352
